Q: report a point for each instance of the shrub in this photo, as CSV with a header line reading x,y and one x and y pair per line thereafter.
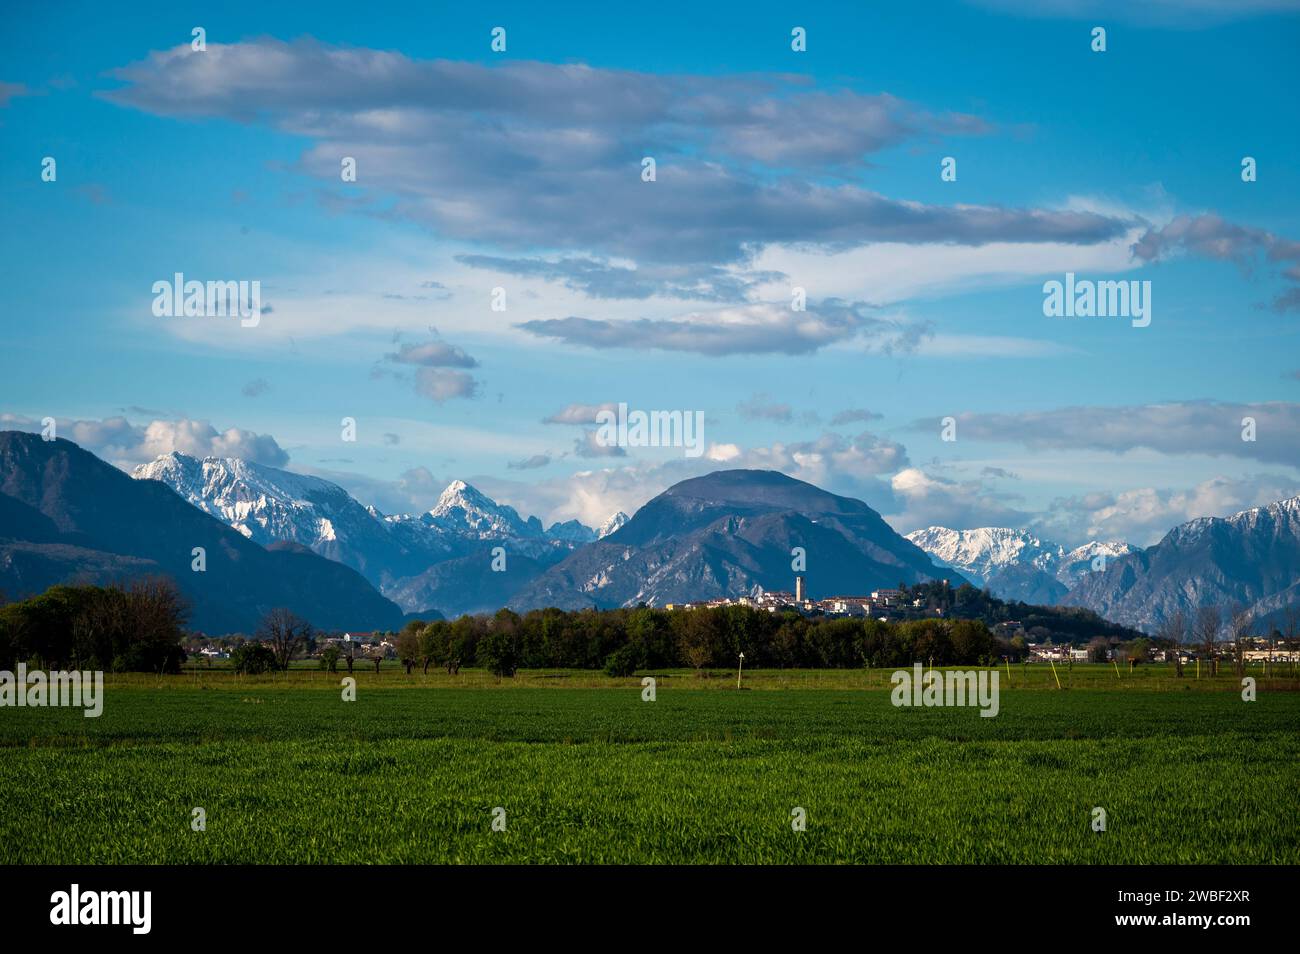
x,y
625,661
253,659
499,653
329,658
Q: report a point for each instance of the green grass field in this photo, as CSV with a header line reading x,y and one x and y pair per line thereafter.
x,y
587,772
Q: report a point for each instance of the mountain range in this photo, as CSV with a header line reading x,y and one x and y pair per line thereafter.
x,y
1250,559
68,517
440,559
1015,564
274,538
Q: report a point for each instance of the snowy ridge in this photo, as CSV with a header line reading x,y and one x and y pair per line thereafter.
x,y
269,505
265,504
1016,564
463,509
612,525
1251,559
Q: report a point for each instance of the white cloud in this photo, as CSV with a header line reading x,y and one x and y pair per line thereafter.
x,y
124,444
889,272
443,384
1214,428
1143,515
925,500
579,413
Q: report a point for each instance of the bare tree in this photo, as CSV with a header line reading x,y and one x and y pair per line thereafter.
x,y
286,632
1240,621
1206,630
408,645
156,608
1173,630
1292,617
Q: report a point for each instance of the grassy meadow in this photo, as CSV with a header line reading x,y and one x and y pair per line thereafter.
x,y
586,771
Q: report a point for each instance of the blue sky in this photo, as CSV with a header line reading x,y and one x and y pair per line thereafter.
x,y
775,169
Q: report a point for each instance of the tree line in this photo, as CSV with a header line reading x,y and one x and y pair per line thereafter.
x,y
140,627
137,627
1059,624
622,641
134,627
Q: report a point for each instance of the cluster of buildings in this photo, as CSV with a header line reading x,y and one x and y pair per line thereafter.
x,y
1188,654
368,645
877,605
359,644
1063,653
1263,649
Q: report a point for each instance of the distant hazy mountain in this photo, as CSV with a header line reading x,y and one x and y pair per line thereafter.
x,y
1015,564
1251,558
1081,562
67,516
726,533
576,532
468,584
437,560
572,531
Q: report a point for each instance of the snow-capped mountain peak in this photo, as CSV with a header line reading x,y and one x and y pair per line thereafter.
x,y
612,525
464,509
1110,549
1092,557
1016,564
264,503
269,505
984,550
1251,558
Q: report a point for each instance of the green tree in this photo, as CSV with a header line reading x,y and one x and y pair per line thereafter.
x,y
462,643
626,660
253,659
787,642
433,643
498,651
700,637
134,628
408,645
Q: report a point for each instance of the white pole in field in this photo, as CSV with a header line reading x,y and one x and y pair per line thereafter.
x,y
740,669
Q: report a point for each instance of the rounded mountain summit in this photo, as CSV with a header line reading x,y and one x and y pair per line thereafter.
x,y
727,533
